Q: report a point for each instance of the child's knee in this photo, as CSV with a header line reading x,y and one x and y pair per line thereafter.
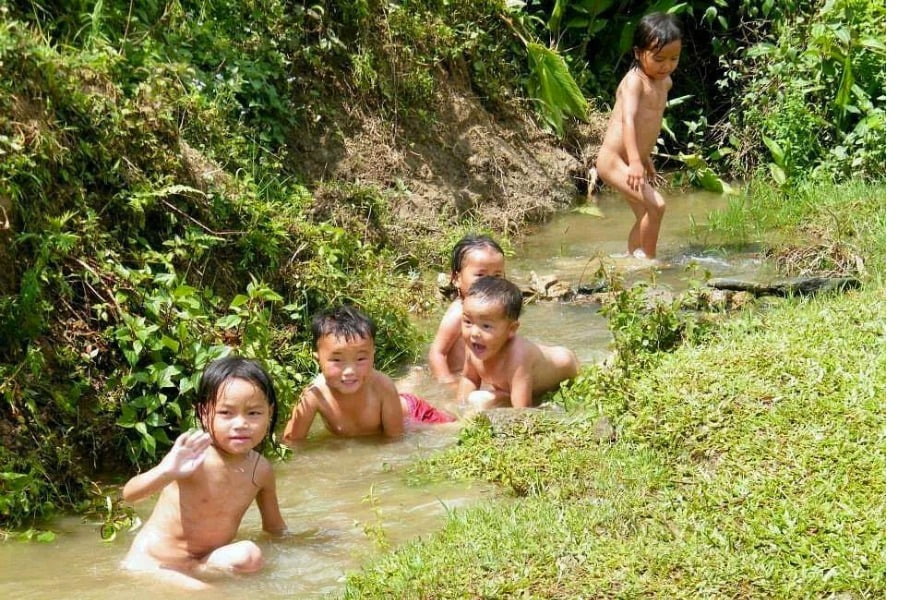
x,y
250,557
240,557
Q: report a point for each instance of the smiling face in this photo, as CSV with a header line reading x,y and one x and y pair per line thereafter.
x,y
241,416
478,262
659,64
345,363
485,327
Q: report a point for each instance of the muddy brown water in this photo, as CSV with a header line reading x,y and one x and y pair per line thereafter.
x,y
340,496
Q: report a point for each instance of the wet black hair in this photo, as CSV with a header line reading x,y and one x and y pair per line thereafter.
x,y
467,244
344,322
501,291
221,370
654,31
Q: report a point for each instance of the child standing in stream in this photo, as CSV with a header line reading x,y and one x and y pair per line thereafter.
x,y
623,161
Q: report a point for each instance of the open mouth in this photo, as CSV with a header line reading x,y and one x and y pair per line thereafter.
x,y
478,348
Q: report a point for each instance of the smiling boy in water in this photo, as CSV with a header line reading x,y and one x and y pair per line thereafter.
x,y
514,370
352,397
623,161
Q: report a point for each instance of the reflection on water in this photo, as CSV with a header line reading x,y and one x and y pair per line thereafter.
x,y
334,491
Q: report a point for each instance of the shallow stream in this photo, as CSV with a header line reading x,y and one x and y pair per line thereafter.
x,y
340,496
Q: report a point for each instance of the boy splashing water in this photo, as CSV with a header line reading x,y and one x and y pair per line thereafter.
x,y
623,161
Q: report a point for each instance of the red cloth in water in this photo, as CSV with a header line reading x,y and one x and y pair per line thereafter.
x,y
422,412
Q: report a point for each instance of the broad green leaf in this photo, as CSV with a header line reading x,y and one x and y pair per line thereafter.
x,y
777,173
228,321
588,209
693,161
239,300
775,149
553,88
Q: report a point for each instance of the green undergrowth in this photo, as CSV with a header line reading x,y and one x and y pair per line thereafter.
x,y
749,462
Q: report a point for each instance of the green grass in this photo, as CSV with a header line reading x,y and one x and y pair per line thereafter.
x,y
751,465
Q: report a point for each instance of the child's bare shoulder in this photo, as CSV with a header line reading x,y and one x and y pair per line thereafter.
x,y
263,473
522,352
382,384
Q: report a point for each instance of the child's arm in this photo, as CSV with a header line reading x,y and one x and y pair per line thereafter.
x,y
630,97
445,338
469,381
391,412
182,460
521,388
302,417
267,501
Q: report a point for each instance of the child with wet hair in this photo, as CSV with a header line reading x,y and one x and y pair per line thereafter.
x,y
503,368
208,480
352,397
474,256
624,161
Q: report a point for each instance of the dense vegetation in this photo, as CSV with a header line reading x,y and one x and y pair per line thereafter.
x,y
156,211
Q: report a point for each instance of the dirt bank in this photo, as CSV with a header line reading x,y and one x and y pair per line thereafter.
x,y
462,161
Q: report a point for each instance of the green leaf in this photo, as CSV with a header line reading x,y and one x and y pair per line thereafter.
x,y
239,301
229,321
776,150
842,100
588,209
777,173
559,7
554,89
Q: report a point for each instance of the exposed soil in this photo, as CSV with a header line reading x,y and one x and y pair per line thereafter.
x,y
463,161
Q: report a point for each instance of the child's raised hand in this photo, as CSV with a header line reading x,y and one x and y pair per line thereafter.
x,y
187,454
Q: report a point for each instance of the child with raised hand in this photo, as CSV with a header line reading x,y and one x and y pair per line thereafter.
x,y
623,161
352,397
208,480
503,368
474,256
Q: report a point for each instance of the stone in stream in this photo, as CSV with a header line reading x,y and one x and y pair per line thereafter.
x,y
549,287
801,286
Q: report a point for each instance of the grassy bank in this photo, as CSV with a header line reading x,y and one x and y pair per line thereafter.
x,y
751,464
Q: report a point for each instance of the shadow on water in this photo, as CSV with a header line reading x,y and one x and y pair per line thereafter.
x,y
341,497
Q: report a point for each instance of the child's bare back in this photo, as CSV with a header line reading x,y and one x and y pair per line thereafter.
x,y
515,370
524,368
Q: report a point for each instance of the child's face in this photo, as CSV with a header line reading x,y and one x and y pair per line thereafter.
x,y
485,327
345,364
477,263
241,417
661,63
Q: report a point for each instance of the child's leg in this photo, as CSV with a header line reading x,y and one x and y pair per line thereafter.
x,y
239,557
654,206
634,236
648,205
